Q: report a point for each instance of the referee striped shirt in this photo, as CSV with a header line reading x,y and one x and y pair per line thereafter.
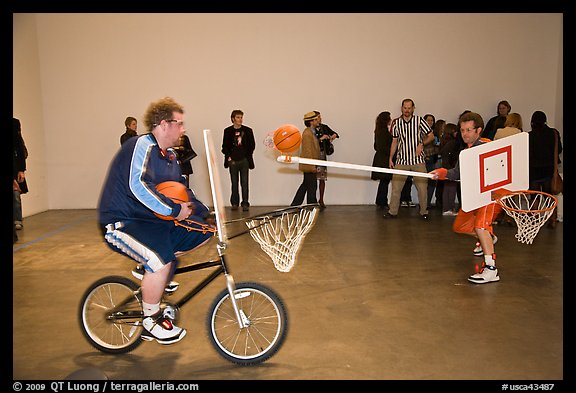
x,y
410,133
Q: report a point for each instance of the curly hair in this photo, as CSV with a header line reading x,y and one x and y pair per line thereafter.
x,y
161,110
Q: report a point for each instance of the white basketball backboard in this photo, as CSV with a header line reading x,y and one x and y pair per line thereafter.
x,y
502,163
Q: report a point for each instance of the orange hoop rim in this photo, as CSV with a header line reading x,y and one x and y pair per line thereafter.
x,y
521,192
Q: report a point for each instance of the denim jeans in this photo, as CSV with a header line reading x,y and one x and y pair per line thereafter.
x,y
17,204
239,172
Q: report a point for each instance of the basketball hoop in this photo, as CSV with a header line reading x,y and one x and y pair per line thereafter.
x,y
269,140
280,233
530,209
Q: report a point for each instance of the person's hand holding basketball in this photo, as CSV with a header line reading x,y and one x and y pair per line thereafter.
x,y
185,211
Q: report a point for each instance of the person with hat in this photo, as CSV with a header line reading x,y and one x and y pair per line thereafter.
x,y
310,148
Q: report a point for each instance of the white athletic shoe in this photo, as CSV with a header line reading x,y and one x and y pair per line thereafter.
x,y
478,249
160,328
138,272
488,274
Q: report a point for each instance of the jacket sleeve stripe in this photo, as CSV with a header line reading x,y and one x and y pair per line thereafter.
x,y
141,190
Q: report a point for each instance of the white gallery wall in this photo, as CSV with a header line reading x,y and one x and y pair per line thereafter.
x,y
77,77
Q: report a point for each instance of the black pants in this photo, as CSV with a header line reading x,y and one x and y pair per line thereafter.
x,y
382,194
307,188
239,171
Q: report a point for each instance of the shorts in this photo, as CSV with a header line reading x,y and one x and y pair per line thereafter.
x,y
483,217
152,243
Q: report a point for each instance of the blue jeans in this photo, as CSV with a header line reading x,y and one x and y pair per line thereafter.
x,y
17,204
239,171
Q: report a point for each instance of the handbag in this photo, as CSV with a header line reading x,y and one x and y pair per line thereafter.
x,y
329,147
556,184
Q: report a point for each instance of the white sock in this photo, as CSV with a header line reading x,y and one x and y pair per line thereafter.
x,y
489,260
150,309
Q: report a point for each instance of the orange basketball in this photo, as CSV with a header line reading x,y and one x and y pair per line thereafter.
x,y
173,190
287,138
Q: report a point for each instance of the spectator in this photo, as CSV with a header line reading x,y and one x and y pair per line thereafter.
x,y
131,125
512,126
185,153
238,147
19,184
310,148
502,109
498,123
409,135
382,143
542,140
449,150
432,159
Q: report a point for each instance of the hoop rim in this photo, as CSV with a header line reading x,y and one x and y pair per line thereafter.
x,y
276,213
280,212
503,198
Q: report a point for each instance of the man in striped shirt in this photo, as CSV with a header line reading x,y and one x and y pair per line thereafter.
x,y
409,135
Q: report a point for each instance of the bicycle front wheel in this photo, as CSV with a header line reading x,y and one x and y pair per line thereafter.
x,y
111,315
264,315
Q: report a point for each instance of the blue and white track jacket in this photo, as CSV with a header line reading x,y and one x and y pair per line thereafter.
x,y
129,191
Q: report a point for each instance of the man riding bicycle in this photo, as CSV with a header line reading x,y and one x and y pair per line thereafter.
x,y
128,204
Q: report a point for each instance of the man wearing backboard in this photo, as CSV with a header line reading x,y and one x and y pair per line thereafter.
x,y
476,222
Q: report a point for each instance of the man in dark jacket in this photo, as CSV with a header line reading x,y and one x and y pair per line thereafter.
x,y
238,148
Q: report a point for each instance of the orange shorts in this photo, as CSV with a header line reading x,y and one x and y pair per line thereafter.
x,y
483,217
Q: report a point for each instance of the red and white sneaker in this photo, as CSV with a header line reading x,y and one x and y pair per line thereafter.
x,y
160,328
487,274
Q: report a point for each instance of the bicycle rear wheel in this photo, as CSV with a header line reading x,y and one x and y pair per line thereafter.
x,y
110,315
266,319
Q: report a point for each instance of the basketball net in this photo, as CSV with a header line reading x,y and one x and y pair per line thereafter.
x,y
530,209
280,234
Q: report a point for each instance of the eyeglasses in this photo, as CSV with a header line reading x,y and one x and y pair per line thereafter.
x,y
179,123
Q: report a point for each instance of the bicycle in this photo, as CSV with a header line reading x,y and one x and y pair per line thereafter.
x,y
247,321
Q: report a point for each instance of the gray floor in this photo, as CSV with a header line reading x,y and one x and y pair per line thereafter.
x,y
368,299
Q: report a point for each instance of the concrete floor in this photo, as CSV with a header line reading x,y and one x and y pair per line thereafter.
x,y
369,299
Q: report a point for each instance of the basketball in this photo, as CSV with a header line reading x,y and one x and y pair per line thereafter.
x,y
287,138
173,190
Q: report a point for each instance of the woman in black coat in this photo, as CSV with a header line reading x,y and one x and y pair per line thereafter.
x,y
382,143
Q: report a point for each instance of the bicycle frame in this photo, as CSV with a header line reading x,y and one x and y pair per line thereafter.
x,y
221,268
